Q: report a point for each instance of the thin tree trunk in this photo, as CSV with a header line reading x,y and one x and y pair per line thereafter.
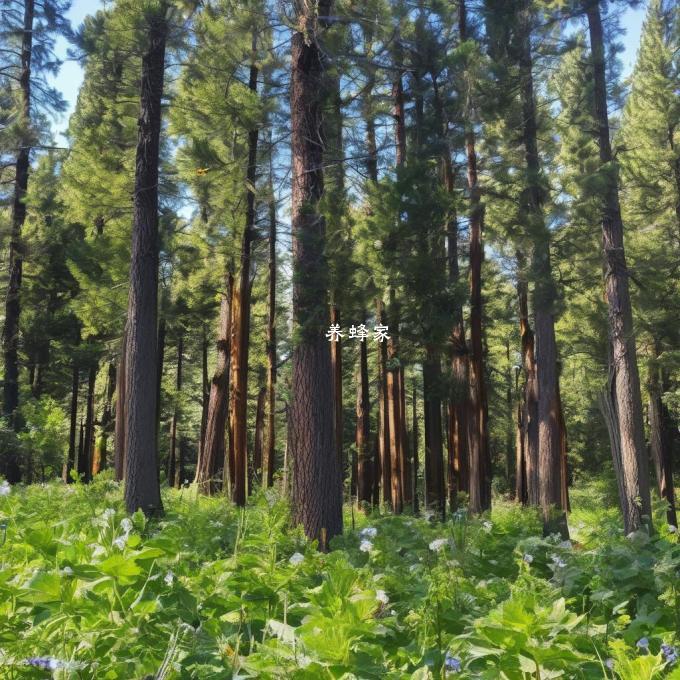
x,y
336,368
414,434
81,463
159,374
173,467
241,317
434,453
10,335
101,448
661,438
88,447
363,429
383,419
73,425
213,451
205,391
479,455
625,379
317,477
119,444
142,488
258,444
271,346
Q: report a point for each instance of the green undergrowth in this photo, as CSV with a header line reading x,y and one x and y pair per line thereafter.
x,y
213,592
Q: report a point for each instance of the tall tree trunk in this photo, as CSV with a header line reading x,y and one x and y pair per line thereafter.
x,y
383,418
625,379
549,412
661,437
142,488
241,317
317,476
173,467
479,455
88,447
10,334
205,391
363,429
529,406
213,451
121,400
271,346
73,425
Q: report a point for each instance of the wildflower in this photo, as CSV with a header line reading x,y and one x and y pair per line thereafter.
x,y
670,654
487,525
609,663
126,525
5,488
108,513
120,542
642,643
558,561
438,544
67,571
672,529
368,532
296,558
528,558
45,662
566,545
366,546
381,596
169,578
452,663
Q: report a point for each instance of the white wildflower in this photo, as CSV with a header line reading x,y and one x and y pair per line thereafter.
x,y
169,578
126,525
365,546
120,542
296,558
381,596
108,513
368,532
67,571
672,529
528,558
487,525
566,545
438,544
5,488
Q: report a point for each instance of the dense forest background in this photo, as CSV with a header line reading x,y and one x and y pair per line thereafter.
x,y
462,173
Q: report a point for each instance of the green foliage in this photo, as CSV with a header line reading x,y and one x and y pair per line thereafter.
x,y
211,591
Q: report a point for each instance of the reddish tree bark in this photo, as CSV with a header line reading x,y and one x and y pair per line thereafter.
x,y
213,450
661,436
363,429
241,318
479,455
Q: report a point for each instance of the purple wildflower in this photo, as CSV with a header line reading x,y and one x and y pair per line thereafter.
x,y
452,663
45,662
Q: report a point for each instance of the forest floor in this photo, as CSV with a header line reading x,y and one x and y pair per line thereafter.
x,y
213,592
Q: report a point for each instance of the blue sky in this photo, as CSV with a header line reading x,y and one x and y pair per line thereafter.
x,y
70,77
